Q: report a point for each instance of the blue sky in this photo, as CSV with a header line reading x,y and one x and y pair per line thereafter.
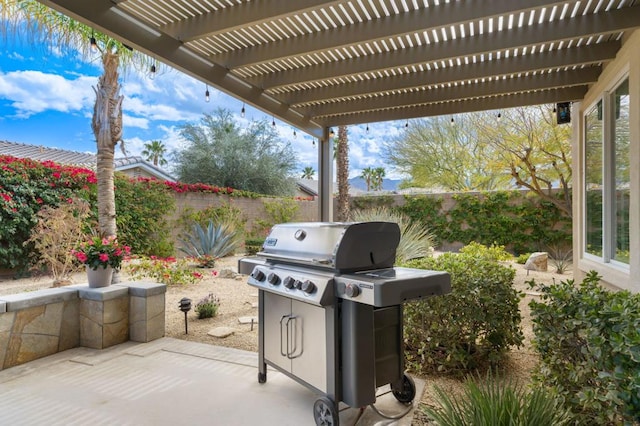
x,y
46,98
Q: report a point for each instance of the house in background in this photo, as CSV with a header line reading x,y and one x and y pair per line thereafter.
x,y
131,166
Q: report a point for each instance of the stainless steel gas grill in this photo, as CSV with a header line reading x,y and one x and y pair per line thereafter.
x,y
330,310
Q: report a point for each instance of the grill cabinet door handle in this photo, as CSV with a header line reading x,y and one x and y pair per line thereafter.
x,y
287,325
291,341
293,354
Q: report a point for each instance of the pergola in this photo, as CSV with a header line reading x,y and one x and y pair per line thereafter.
x,y
321,63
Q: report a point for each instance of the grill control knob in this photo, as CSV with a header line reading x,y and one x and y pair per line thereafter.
x,y
298,284
289,282
351,290
308,287
273,279
258,275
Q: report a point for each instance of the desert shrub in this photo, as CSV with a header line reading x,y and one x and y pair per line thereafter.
x,y
493,252
207,245
588,339
253,245
469,328
207,307
226,213
58,231
490,401
169,271
281,210
415,240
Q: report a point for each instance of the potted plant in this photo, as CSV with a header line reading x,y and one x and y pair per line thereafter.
x,y
101,256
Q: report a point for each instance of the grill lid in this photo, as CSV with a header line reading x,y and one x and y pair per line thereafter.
x,y
345,247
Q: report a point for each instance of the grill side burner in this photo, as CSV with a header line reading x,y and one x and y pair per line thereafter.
x,y
330,310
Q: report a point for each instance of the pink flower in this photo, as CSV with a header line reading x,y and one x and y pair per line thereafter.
x,y
81,256
214,273
104,257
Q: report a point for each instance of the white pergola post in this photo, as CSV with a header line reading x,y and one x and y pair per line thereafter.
x,y
325,177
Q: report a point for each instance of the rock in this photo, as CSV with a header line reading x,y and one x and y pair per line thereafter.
x,y
227,273
248,320
221,332
537,261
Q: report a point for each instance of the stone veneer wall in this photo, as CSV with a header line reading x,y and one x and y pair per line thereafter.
x,y
40,323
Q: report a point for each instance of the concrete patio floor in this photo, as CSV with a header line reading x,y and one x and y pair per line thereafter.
x,y
165,382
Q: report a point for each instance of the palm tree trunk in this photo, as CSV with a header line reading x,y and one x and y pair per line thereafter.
x,y
342,166
107,128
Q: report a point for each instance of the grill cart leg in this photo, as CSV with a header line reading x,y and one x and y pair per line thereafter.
x,y
325,412
262,366
405,392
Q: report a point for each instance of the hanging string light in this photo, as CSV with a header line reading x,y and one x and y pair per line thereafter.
x,y
367,130
242,111
499,116
331,133
294,133
152,71
452,121
406,125
273,121
206,94
93,43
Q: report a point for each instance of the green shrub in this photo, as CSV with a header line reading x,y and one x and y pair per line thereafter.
x,y
281,210
141,208
207,307
207,245
588,339
415,240
494,252
469,328
491,402
253,245
522,259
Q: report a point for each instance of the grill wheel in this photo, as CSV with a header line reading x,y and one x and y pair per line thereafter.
x,y
325,413
407,392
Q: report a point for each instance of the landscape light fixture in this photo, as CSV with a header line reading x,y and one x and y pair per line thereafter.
x,y
206,94
185,306
242,111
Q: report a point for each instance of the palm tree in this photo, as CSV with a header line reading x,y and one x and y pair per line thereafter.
x,y
341,154
47,27
367,175
308,172
376,180
154,151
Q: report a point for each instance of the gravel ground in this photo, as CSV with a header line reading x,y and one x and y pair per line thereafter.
x,y
237,299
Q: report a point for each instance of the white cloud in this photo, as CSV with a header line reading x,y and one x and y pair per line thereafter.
x,y
129,121
32,92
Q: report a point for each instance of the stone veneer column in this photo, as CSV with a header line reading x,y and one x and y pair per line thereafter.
x,y
104,316
146,310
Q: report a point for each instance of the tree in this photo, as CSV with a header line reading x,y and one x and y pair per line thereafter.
x,y
377,177
308,172
439,153
39,24
154,151
220,153
367,176
341,154
520,147
531,148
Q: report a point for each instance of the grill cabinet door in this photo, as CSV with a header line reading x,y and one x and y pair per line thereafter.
x,y
295,338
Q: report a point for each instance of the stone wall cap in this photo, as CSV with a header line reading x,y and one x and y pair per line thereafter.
x,y
3,307
144,288
29,299
101,293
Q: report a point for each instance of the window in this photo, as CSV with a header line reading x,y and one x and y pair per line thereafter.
x,y
607,177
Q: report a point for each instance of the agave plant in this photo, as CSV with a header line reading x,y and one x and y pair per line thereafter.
x,y
207,245
415,240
